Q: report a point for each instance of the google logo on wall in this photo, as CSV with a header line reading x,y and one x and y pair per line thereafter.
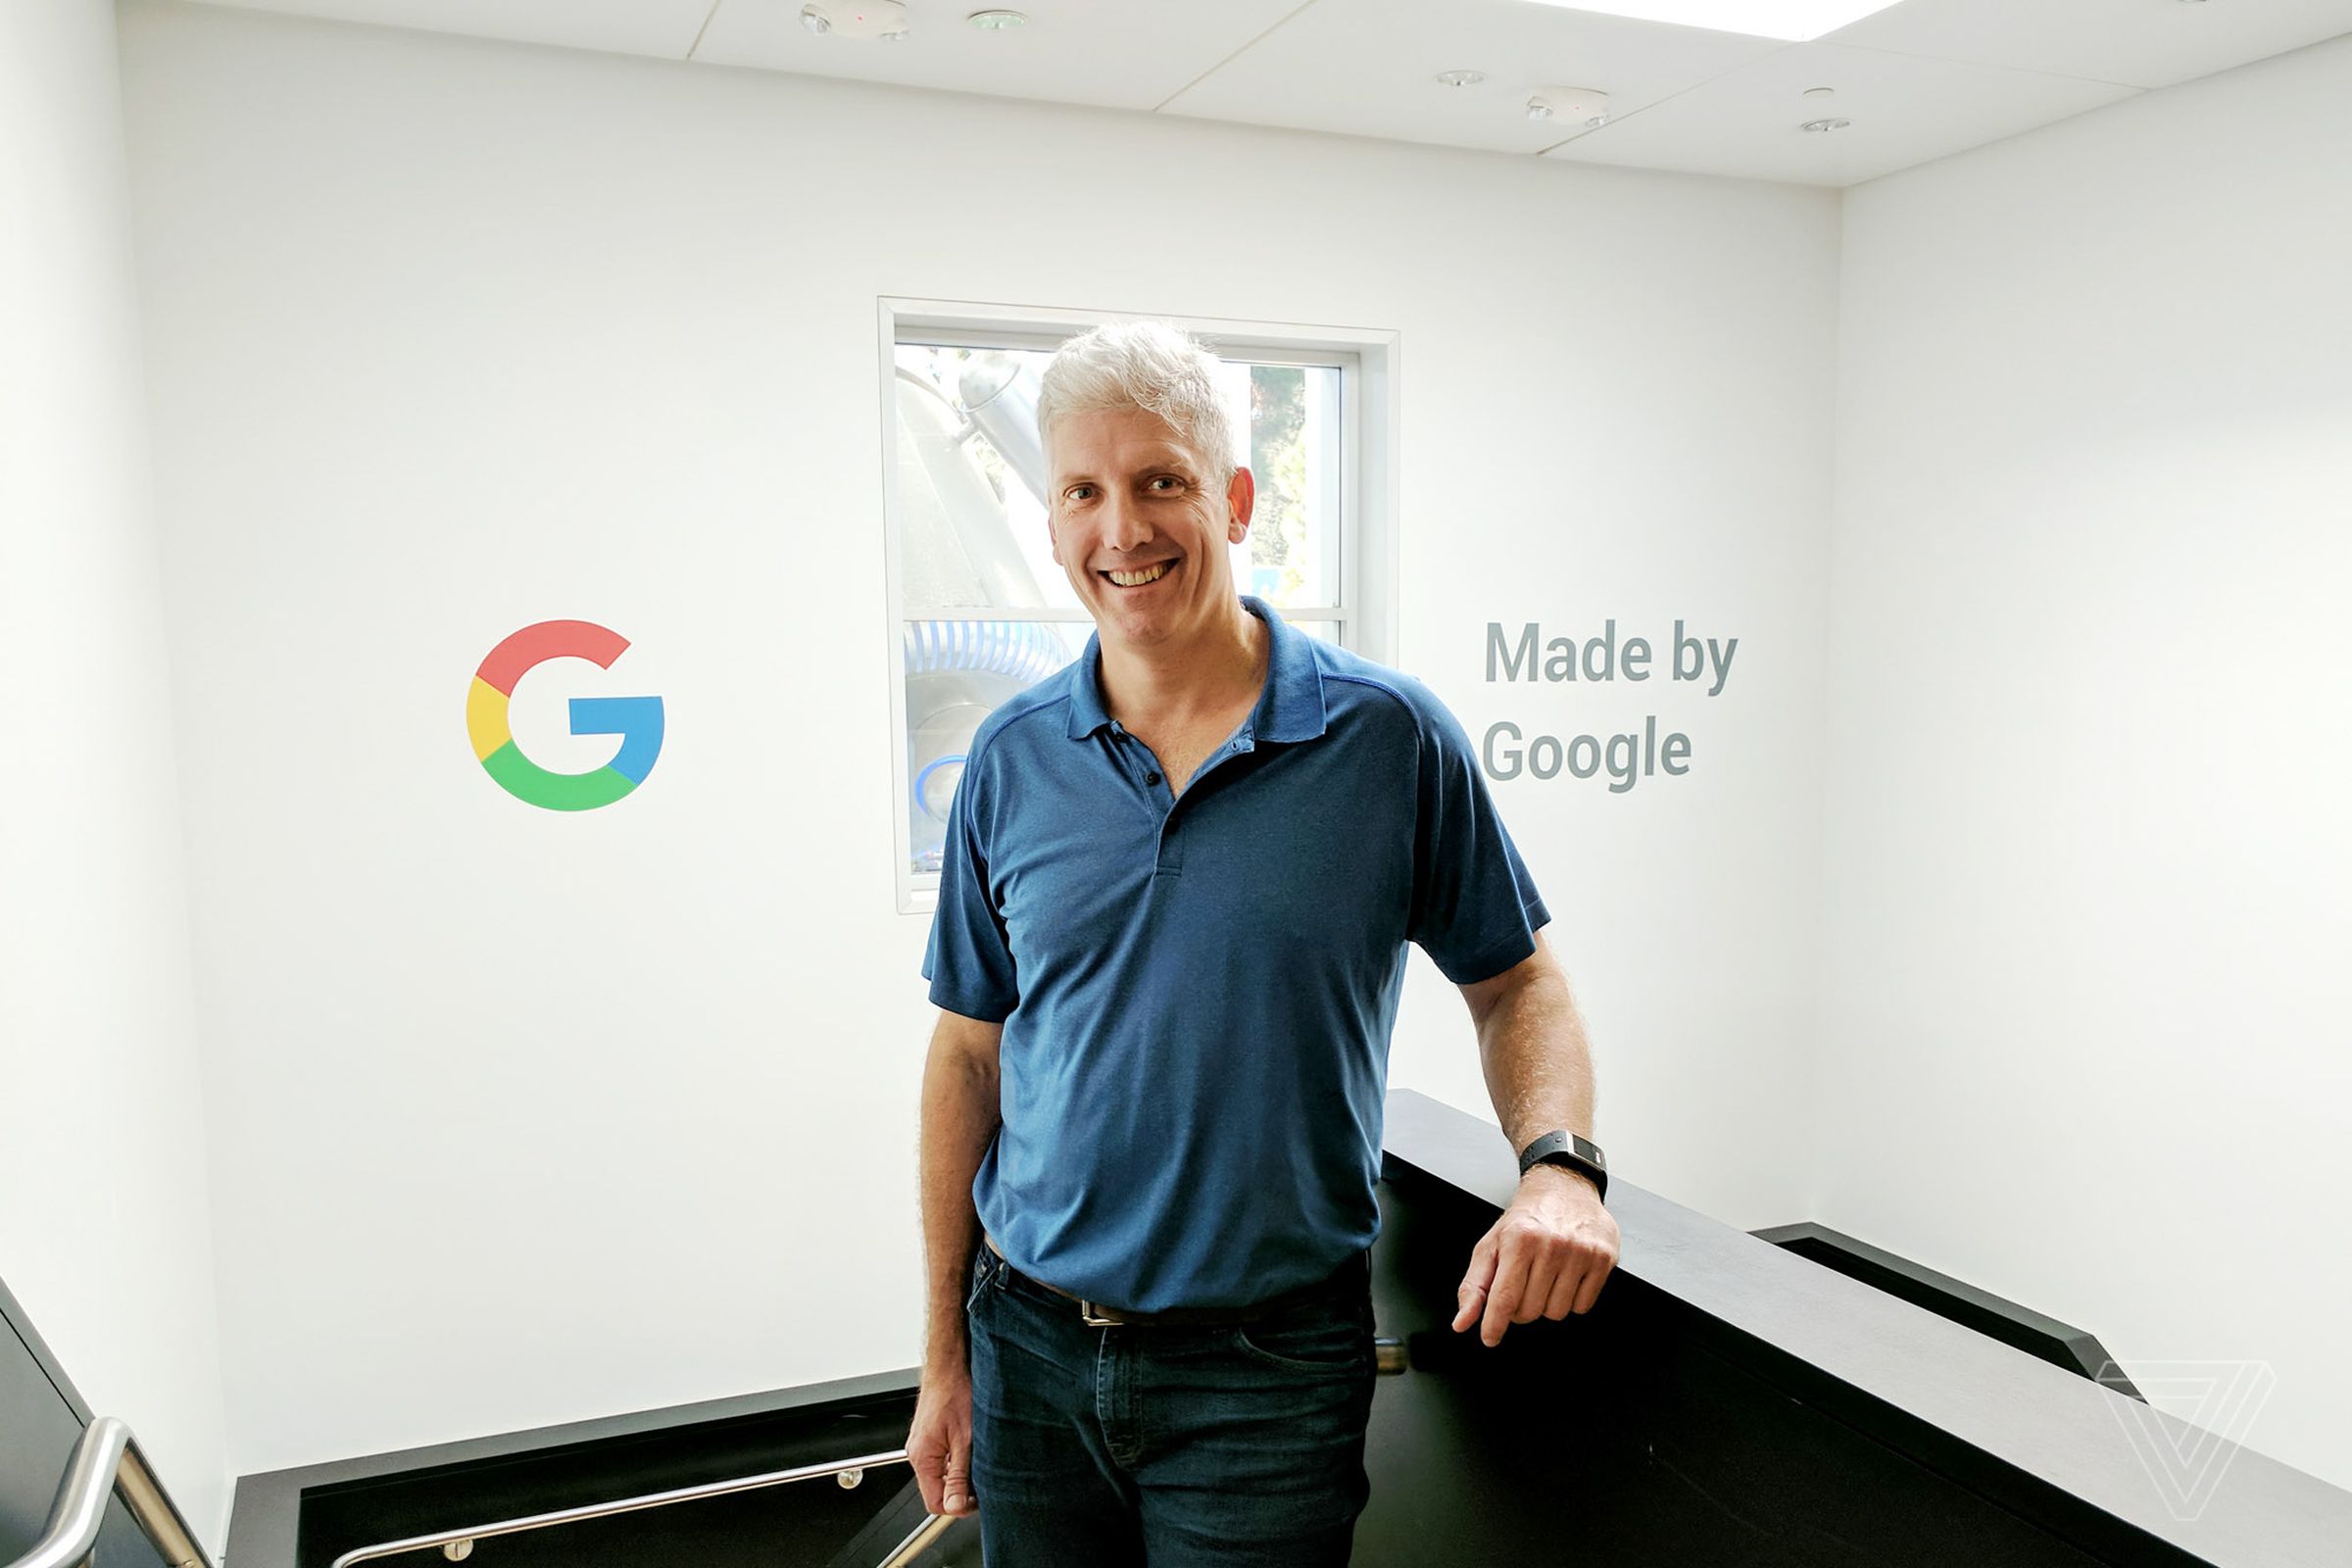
x,y
637,721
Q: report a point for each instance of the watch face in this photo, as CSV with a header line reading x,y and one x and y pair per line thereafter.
x,y
1591,1151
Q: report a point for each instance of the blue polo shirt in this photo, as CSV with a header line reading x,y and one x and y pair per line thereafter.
x,y
1196,990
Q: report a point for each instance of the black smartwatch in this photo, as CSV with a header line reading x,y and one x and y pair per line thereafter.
x,y
1566,1148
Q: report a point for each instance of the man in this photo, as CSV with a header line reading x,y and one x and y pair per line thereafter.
x,y
1178,883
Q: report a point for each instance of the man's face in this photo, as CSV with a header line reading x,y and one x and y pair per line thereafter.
x,y
1128,497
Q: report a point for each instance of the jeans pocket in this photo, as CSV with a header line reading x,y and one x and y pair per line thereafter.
x,y
1325,1336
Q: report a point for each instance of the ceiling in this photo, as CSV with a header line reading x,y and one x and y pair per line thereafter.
x,y
1918,80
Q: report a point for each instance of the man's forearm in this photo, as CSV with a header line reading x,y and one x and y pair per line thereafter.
x,y
1556,1244
1539,1068
961,1113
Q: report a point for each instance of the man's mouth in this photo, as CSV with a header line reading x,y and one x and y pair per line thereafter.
x,y
1139,576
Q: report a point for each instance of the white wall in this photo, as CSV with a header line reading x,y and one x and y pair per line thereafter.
x,y
105,1230
2086,979
526,1117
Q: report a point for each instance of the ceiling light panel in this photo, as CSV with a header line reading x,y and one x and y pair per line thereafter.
x,y
1794,20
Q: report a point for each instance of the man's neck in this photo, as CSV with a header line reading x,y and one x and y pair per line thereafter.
x,y
1174,683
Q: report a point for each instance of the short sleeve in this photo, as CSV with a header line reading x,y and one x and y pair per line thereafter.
x,y
1475,908
969,961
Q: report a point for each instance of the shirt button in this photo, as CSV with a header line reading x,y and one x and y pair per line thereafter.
x,y
1151,778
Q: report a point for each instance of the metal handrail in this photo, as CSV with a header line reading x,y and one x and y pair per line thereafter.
x,y
930,1530
105,1460
650,1499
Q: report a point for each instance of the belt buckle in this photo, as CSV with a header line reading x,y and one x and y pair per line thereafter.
x,y
1094,1319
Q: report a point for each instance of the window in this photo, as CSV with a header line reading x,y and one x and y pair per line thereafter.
x,y
981,611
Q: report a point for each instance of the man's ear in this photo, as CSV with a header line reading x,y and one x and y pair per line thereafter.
x,y
1240,496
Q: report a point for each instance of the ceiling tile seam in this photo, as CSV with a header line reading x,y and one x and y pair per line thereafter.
x,y
709,18
1283,21
1986,64
1635,114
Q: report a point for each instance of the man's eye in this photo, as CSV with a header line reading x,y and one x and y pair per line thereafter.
x,y
1169,481
1079,492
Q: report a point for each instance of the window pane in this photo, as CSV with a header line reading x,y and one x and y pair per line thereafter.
x,y
969,487
958,671
968,493
1292,556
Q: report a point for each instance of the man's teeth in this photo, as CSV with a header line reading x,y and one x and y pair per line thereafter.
x,y
1136,579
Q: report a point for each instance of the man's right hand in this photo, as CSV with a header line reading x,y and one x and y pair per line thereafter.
x,y
940,1443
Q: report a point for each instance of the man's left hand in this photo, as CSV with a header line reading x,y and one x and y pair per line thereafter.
x,y
1547,1257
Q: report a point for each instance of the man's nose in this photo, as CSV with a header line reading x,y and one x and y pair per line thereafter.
x,y
1124,526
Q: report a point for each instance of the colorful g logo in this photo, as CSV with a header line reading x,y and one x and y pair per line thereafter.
x,y
637,721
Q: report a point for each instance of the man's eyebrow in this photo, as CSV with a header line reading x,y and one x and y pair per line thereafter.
x,y
1170,456
1164,457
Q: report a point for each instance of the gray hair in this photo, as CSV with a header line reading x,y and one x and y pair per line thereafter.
x,y
1151,365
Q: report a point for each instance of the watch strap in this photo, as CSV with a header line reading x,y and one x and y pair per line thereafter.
x,y
1564,1148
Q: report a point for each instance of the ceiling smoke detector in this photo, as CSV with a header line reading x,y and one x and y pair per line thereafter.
x,y
1587,107
856,19
997,21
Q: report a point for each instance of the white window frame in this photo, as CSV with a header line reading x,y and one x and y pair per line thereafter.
x,y
1367,515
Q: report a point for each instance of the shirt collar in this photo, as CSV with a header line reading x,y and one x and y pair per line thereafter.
x,y
1289,709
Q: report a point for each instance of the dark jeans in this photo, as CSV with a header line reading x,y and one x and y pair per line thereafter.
x,y
1176,1447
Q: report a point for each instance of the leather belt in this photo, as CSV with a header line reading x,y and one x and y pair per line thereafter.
x,y
1095,1315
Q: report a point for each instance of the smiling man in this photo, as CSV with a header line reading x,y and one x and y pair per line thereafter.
x,y
1179,882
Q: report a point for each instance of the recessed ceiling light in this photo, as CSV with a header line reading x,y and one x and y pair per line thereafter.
x,y
1462,78
1824,124
995,20
1799,21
